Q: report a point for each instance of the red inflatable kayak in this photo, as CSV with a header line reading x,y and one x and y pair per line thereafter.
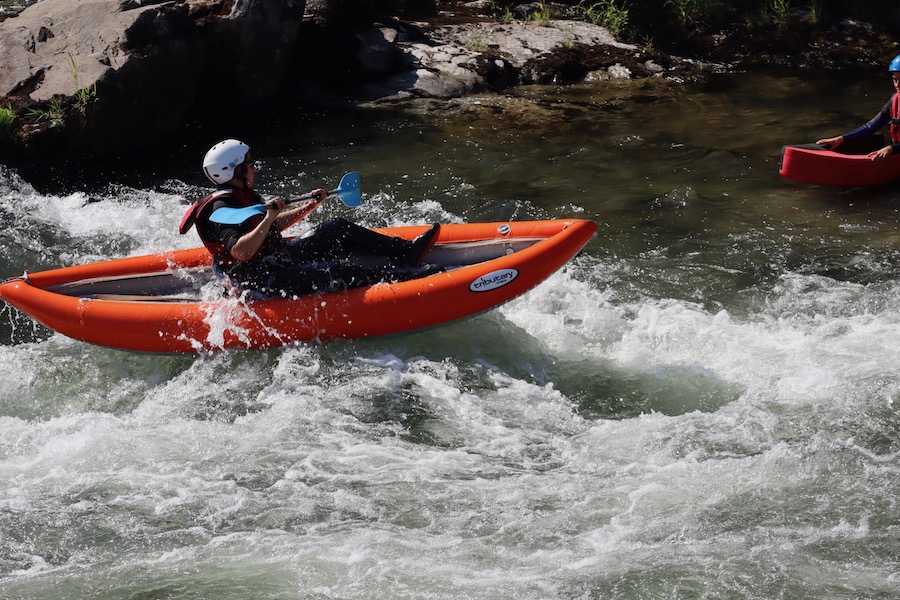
x,y
824,167
172,302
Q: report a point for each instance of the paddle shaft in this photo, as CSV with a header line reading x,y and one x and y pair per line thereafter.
x,y
308,196
347,191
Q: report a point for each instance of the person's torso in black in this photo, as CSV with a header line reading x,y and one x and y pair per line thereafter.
x,y
225,236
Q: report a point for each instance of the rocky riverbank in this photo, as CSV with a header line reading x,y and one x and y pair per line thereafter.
x,y
106,79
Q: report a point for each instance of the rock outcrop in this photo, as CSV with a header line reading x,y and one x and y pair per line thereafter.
x,y
454,60
102,76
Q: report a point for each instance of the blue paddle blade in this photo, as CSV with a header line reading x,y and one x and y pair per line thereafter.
x,y
235,216
348,191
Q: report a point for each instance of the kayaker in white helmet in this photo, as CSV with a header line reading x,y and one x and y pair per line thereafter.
x,y
889,114
255,256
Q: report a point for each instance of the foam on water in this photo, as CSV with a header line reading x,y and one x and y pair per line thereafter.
x,y
53,231
610,434
353,471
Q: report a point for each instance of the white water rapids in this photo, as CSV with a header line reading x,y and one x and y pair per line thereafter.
x,y
702,405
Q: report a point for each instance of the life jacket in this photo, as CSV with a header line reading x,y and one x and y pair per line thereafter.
x,y
194,210
895,118
195,213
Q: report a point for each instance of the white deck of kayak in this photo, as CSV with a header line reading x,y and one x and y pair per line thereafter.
x,y
186,285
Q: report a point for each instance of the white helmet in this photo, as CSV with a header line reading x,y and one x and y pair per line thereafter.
x,y
220,161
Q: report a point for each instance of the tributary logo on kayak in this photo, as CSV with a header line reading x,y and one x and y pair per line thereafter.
x,y
493,280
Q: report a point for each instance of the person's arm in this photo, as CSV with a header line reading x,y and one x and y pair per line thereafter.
x,y
249,243
298,213
877,122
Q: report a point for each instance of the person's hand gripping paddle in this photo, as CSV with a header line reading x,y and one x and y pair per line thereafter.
x,y
347,190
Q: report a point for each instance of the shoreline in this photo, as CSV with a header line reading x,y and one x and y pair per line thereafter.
x,y
452,55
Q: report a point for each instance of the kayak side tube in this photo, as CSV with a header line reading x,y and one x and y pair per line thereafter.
x,y
163,325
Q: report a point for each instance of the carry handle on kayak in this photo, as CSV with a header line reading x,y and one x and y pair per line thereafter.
x,y
347,190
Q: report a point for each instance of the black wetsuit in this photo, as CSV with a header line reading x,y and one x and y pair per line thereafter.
x,y
872,127
338,254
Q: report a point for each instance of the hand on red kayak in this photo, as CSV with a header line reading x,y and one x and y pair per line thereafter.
x,y
880,155
831,143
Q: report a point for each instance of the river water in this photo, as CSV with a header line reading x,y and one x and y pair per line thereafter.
x,y
702,405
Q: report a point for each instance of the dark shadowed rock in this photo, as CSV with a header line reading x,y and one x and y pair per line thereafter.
x,y
104,76
124,70
100,76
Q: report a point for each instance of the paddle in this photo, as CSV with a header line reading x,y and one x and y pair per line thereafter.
x,y
347,190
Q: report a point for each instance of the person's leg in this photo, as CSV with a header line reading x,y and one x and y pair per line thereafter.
x,y
353,239
281,278
322,276
337,238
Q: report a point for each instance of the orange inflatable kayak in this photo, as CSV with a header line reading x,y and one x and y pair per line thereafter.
x,y
172,302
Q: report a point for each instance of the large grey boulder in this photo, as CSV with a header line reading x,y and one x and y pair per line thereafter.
x,y
126,70
449,61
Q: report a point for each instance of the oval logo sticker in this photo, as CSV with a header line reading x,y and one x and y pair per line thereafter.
x,y
493,280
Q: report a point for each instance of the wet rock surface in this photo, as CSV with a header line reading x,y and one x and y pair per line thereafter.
x,y
95,77
454,60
